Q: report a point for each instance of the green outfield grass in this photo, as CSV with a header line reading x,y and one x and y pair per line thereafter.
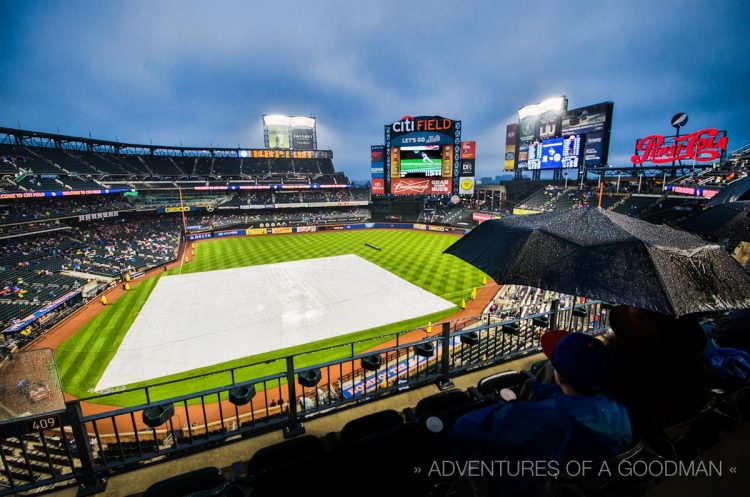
x,y
412,255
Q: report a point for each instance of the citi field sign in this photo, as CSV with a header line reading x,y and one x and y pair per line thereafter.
x,y
422,130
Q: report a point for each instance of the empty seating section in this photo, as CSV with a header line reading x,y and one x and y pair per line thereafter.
x,y
7,166
162,166
608,200
185,164
635,205
278,166
41,184
325,166
203,166
307,166
78,183
133,164
76,168
103,164
671,209
69,161
226,166
537,201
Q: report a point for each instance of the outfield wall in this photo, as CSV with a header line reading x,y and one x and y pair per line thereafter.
x,y
285,230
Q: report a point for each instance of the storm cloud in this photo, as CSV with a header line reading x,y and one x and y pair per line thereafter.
x,y
199,74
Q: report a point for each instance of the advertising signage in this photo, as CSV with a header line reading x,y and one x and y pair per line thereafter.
x,y
377,170
705,145
510,147
537,123
289,132
423,130
426,151
421,186
590,119
593,152
550,120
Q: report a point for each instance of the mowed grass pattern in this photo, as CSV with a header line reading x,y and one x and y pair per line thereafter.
x,y
414,256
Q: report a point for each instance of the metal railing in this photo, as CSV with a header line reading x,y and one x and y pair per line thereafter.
x,y
85,449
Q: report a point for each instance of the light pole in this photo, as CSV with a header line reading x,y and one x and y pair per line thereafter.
x,y
618,182
640,177
566,179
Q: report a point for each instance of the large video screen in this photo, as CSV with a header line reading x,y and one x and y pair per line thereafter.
x,y
421,162
422,155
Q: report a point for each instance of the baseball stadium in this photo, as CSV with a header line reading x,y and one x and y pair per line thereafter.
x,y
294,318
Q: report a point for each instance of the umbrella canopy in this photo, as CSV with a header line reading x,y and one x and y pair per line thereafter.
x,y
734,191
730,220
603,255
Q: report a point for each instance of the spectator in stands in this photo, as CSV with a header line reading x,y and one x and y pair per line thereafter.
x,y
660,373
573,419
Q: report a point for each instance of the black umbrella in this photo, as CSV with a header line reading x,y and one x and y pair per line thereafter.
x,y
603,255
730,220
734,191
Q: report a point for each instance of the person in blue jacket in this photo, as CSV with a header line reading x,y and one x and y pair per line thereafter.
x,y
574,419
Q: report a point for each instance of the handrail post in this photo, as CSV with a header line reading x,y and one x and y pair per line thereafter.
x,y
89,482
295,426
554,309
445,382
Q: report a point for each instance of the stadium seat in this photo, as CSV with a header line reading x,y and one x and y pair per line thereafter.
x,y
424,350
157,415
359,428
537,366
241,395
205,482
309,378
284,453
491,385
441,402
513,328
541,321
470,338
372,362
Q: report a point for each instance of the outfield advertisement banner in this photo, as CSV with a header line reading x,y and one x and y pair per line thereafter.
x,y
219,234
523,212
280,230
66,193
482,217
199,236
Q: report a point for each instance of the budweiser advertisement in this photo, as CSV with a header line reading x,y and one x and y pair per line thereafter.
x,y
705,145
420,186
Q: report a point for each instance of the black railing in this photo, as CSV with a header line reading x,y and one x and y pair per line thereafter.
x,y
88,448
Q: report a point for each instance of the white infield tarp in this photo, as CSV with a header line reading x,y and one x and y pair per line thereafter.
x,y
195,320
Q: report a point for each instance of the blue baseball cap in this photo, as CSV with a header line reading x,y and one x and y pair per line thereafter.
x,y
582,360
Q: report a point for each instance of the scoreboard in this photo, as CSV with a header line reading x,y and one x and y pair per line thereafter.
x,y
285,154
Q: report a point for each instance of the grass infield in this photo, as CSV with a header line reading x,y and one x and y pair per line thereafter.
x,y
412,255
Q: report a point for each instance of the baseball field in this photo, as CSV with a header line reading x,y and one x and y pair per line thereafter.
x,y
416,257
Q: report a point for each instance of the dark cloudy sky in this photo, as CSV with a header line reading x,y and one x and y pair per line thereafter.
x,y
203,73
